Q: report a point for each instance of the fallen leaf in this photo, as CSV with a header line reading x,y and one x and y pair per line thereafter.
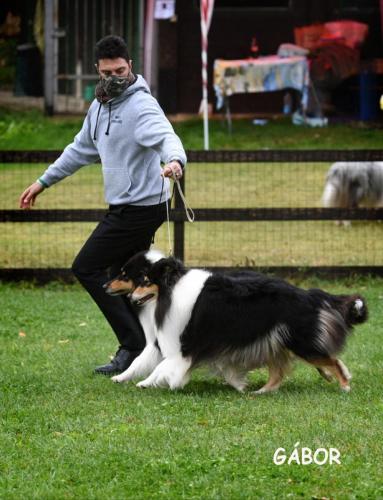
x,y
22,334
66,341
82,324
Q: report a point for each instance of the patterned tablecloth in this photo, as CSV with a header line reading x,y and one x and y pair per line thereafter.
x,y
264,74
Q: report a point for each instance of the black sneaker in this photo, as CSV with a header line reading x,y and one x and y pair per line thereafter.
x,y
121,361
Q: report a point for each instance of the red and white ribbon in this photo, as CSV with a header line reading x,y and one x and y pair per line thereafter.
x,y
206,7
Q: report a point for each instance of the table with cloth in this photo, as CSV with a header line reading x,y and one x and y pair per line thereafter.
x,y
264,74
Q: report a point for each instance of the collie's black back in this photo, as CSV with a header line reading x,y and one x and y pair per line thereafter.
x,y
239,311
234,312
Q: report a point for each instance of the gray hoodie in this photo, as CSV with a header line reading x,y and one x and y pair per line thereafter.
x,y
132,136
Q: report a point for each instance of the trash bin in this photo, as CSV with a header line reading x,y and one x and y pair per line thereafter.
x,y
368,96
29,71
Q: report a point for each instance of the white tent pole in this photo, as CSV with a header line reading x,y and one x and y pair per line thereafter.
x,y
205,101
206,7
148,43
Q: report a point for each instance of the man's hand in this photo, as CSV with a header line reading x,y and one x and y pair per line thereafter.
x,y
27,199
172,169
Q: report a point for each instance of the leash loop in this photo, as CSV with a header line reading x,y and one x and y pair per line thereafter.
x,y
188,210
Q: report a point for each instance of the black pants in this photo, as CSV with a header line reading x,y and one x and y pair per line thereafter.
x,y
124,231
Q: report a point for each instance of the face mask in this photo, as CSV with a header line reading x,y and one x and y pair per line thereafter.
x,y
110,87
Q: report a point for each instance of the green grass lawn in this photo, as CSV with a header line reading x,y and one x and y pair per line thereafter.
x,y
303,243
31,130
66,433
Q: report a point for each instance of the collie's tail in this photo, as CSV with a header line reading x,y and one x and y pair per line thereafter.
x,y
355,309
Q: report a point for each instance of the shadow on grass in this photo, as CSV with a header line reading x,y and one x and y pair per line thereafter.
x,y
309,388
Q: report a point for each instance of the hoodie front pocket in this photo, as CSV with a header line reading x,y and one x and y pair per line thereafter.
x,y
117,183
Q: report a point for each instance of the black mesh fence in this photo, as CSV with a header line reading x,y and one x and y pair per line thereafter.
x,y
253,209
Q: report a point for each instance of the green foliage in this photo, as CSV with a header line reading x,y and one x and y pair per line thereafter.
x,y
66,433
279,133
32,130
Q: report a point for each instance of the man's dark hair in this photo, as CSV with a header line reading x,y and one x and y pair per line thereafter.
x,y
111,47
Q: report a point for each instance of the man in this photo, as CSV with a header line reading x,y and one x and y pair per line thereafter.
x,y
127,130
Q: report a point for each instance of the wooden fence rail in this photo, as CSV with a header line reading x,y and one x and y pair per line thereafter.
x,y
177,214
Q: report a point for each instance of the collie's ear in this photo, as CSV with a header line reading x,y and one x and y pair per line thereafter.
x,y
166,268
162,265
173,265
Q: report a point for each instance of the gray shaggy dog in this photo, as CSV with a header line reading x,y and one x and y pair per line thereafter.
x,y
351,184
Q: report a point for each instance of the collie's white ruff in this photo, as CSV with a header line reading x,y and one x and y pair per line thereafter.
x,y
173,370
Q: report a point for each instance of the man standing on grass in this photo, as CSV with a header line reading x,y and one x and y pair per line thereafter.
x,y
126,129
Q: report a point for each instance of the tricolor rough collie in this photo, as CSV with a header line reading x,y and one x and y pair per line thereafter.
x,y
235,323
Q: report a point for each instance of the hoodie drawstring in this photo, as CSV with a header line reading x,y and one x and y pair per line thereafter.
x,y
95,128
109,118
110,111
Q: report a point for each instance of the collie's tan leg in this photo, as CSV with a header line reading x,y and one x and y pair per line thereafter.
x,y
345,370
325,374
276,374
337,368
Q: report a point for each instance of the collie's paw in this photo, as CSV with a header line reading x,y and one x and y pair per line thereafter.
x,y
265,390
117,379
240,387
346,388
259,391
143,384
